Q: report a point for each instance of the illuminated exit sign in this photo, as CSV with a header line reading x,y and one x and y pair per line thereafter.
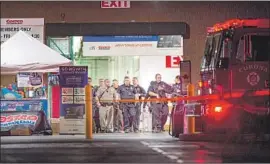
x,y
115,4
173,61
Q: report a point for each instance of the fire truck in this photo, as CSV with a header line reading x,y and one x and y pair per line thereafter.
x,y
234,81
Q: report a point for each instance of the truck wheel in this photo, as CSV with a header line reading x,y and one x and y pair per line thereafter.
x,y
245,122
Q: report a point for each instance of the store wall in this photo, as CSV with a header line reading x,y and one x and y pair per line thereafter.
x,y
199,15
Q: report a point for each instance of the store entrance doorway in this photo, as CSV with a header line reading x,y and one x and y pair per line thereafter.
x,y
116,66
141,56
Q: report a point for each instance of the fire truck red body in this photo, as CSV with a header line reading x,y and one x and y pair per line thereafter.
x,y
235,67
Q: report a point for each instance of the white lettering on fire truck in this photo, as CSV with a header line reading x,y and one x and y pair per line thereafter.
x,y
253,67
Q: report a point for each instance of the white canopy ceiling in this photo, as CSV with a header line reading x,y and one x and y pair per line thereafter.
x,y
23,53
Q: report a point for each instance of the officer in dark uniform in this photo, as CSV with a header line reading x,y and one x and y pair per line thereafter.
x,y
160,109
177,111
177,91
177,87
140,93
127,91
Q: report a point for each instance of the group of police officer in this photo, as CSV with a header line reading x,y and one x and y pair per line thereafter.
x,y
111,116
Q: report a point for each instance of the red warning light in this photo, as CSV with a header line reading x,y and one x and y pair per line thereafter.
x,y
218,109
236,23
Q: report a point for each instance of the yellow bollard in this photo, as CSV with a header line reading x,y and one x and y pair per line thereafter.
x,y
88,112
191,119
190,90
191,124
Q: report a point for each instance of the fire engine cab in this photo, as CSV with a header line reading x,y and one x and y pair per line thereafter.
x,y
235,67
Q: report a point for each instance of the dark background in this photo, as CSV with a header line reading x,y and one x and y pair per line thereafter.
x,y
198,15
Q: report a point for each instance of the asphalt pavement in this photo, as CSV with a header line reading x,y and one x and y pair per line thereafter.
x,y
126,148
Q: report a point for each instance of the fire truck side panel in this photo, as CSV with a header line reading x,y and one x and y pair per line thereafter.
x,y
249,76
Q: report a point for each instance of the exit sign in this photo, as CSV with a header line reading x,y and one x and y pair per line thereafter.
x,y
173,61
115,4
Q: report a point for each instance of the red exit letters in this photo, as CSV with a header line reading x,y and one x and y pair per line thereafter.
x,y
172,61
115,4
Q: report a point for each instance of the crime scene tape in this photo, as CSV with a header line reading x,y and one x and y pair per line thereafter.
x,y
196,98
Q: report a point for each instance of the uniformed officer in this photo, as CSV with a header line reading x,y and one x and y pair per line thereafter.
x,y
96,108
177,87
104,97
178,105
127,91
177,90
118,121
160,109
140,94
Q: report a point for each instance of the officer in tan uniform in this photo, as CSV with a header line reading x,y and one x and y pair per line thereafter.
x,y
96,109
104,97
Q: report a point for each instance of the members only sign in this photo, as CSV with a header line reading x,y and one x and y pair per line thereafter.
x,y
32,26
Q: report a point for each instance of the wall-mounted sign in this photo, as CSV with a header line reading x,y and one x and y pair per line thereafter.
x,y
120,4
32,26
173,61
133,45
